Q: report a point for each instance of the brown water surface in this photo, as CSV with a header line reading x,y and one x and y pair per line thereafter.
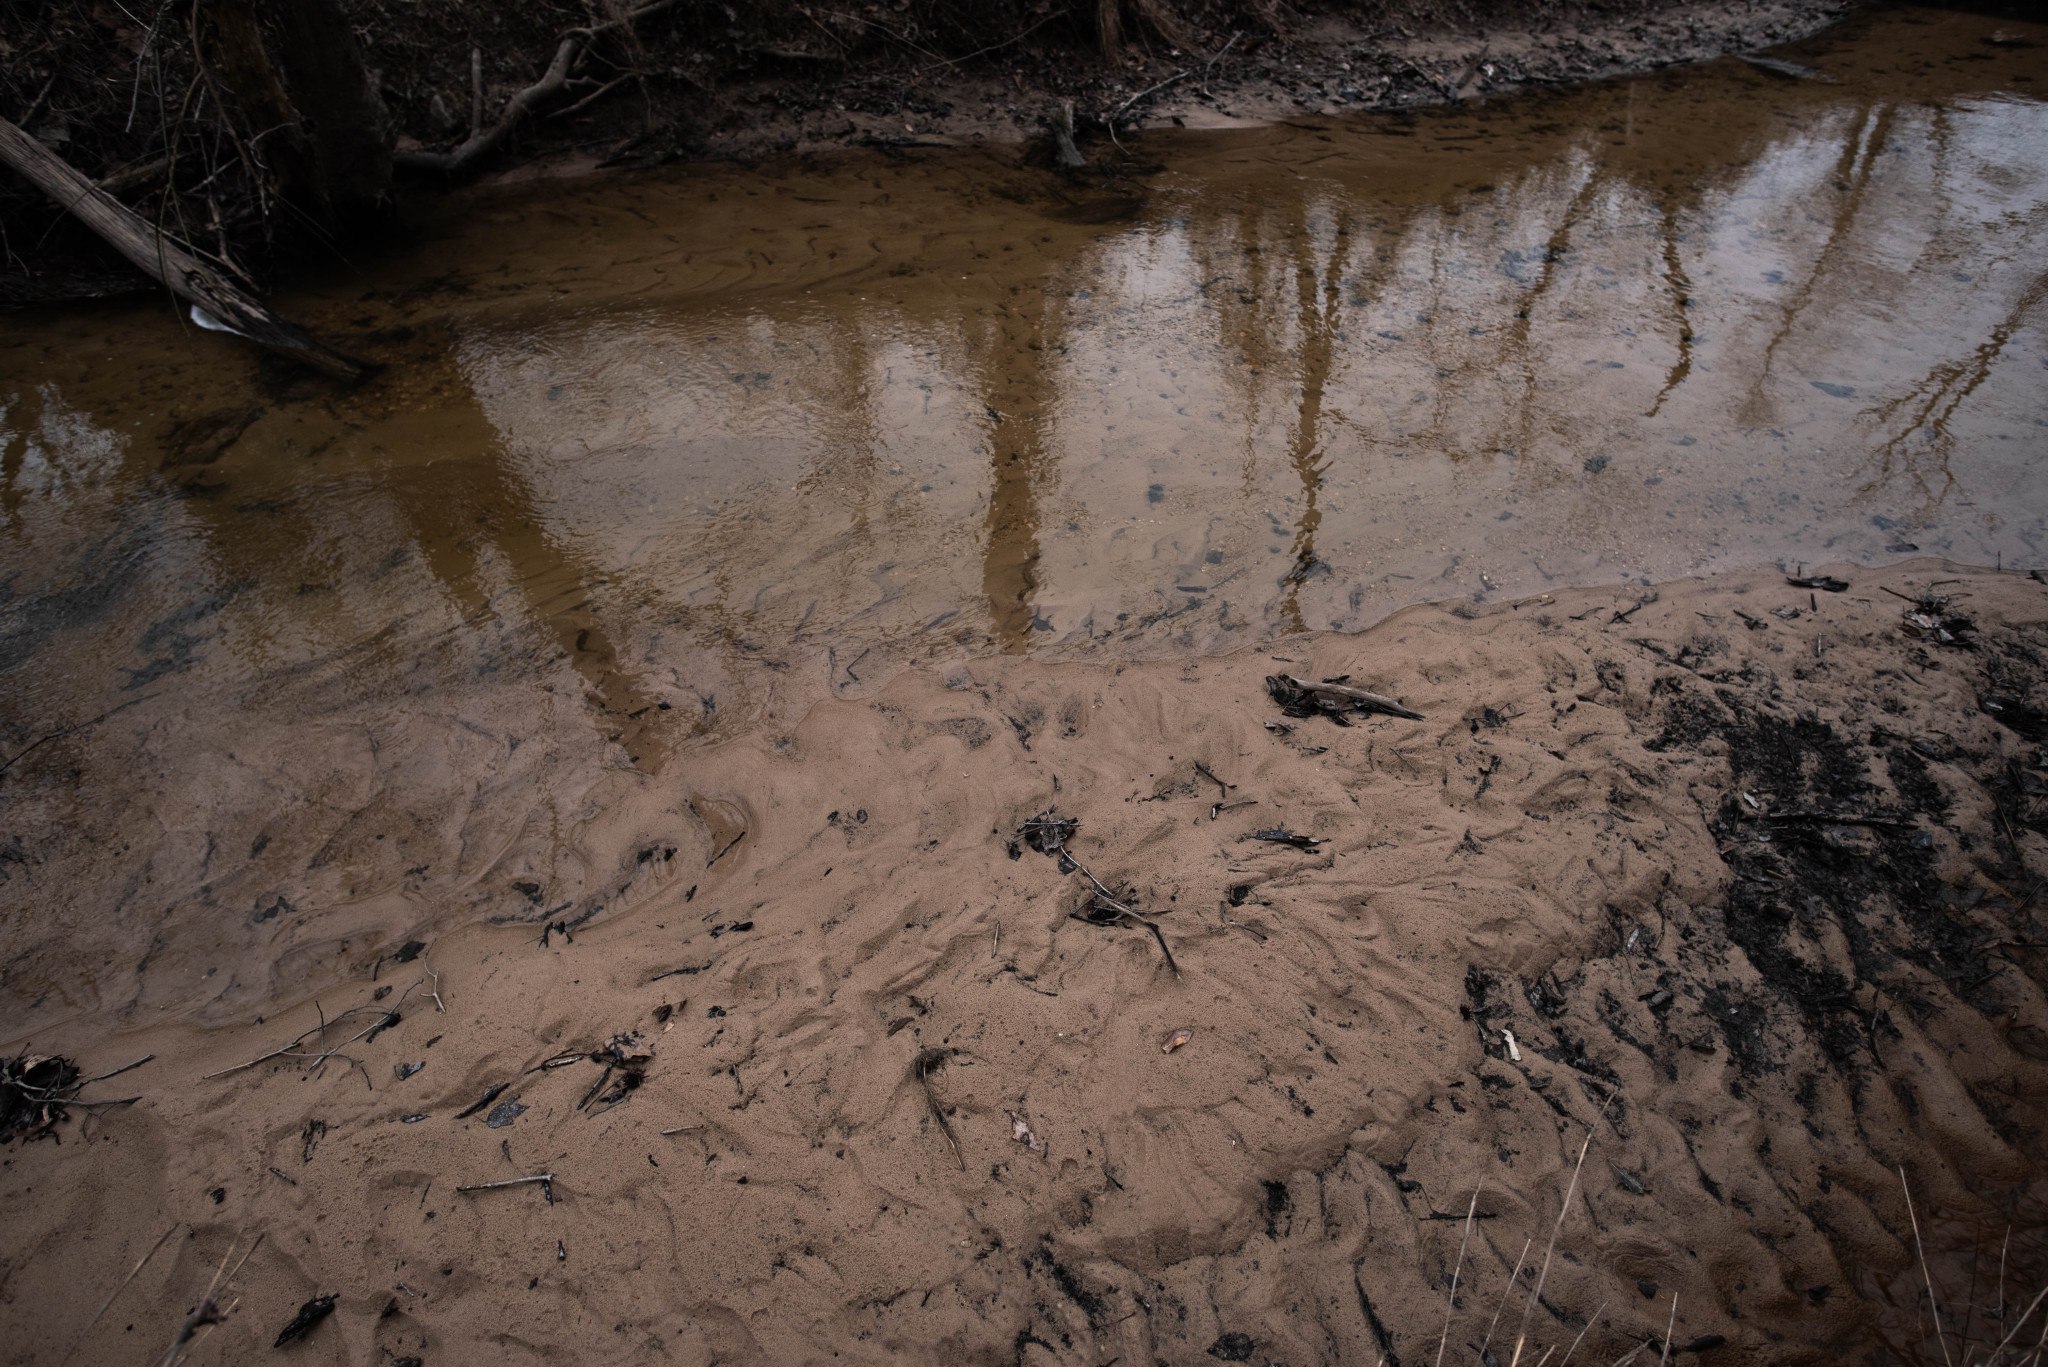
x,y
666,456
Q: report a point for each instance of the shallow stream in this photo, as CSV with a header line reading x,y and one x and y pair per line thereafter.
x,y
663,457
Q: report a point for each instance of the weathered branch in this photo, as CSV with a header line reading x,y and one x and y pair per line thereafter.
x,y
482,141
169,261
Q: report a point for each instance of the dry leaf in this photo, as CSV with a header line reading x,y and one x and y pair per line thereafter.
x,y
1021,1132
1175,1040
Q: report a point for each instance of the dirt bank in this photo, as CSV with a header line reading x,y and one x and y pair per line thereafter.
x,y
1747,871
364,111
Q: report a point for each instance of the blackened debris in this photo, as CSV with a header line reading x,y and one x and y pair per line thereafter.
x,y
310,1314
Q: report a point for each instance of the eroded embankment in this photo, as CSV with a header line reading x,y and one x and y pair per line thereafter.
x,y
1745,869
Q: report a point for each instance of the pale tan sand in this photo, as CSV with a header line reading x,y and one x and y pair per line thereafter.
x,y
1272,1178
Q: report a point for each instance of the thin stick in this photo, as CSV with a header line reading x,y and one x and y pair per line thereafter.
x,y
1582,1335
129,1068
922,1067
544,1178
1546,1355
115,1294
208,1312
245,1258
1451,1304
2017,1325
1933,1306
682,1129
509,1182
286,1048
2002,1248
1522,1334
1629,1356
1504,1298
1669,1325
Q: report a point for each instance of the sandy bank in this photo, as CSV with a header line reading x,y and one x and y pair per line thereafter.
x,y
1746,867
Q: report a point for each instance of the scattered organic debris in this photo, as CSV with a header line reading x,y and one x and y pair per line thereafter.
x,y
1103,909
1176,1040
310,1314
1826,583
624,1055
1049,834
38,1090
1334,698
1931,618
1046,833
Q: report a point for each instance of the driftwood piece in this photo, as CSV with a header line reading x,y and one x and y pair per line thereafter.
x,y
161,257
1331,698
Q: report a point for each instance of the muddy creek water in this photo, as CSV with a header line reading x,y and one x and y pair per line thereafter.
x,y
663,457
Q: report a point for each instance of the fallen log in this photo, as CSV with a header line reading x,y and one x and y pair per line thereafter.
x,y
158,255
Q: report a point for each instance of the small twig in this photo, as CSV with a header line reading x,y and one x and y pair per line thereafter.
x,y
126,1068
25,751
1669,1325
546,1180
594,95
2017,1325
209,1312
279,1052
682,1129
1209,67
1524,1257
1522,1333
1018,37
1142,94
1933,1305
1451,1303
927,1062
116,1292
1561,1362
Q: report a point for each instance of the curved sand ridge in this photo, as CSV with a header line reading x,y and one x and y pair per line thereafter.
x,y
1604,804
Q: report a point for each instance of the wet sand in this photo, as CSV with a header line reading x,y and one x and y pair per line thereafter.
x,y
1557,851
732,560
